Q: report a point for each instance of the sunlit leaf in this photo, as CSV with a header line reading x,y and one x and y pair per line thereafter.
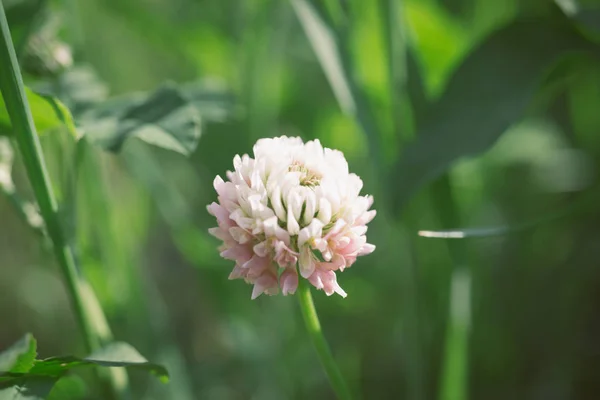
x,y
48,113
439,41
20,356
488,92
69,388
117,354
37,381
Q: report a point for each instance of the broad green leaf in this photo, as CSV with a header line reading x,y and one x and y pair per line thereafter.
x,y
69,388
487,93
168,118
78,88
38,381
114,355
27,388
20,356
48,113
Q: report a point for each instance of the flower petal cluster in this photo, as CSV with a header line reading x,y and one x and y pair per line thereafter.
x,y
293,211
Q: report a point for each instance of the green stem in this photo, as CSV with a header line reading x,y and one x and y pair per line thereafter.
x,y
87,313
455,368
313,326
12,88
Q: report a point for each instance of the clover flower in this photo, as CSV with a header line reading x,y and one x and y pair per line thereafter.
x,y
293,208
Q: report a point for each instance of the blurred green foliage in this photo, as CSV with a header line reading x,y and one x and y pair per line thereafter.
x,y
456,114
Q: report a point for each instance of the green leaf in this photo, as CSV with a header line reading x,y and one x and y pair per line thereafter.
x,y
27,388
69,388
589,21
37,381
20,356
78,88
334,54
326,49
117,354
488,92
168,118
48,113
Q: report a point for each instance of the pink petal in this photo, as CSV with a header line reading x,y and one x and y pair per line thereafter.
x,y
289,281
261,249
219,233
367,248
237,273
265,284
237,253
219,212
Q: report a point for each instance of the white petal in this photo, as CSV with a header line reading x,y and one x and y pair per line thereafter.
x,y
367,248
293,215
277,204
324,211
306,263
292,224
310,203
217,182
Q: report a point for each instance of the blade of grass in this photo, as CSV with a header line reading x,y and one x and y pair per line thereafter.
x,y
25,135
402,116
454,375
332,49
11,85
576,208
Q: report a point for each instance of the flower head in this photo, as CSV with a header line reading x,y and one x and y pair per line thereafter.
x,y
292,209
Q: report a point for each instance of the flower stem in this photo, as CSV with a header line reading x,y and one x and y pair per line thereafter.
x,y
12,88
313,326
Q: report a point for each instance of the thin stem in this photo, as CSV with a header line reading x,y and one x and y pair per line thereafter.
x,y
12,88
87,313
313,326
455,368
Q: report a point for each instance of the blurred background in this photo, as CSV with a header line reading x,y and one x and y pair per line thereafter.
x,y
505,151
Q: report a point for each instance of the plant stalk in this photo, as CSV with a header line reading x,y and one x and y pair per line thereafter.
x,y
12,88
455,368
311,319
25,135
